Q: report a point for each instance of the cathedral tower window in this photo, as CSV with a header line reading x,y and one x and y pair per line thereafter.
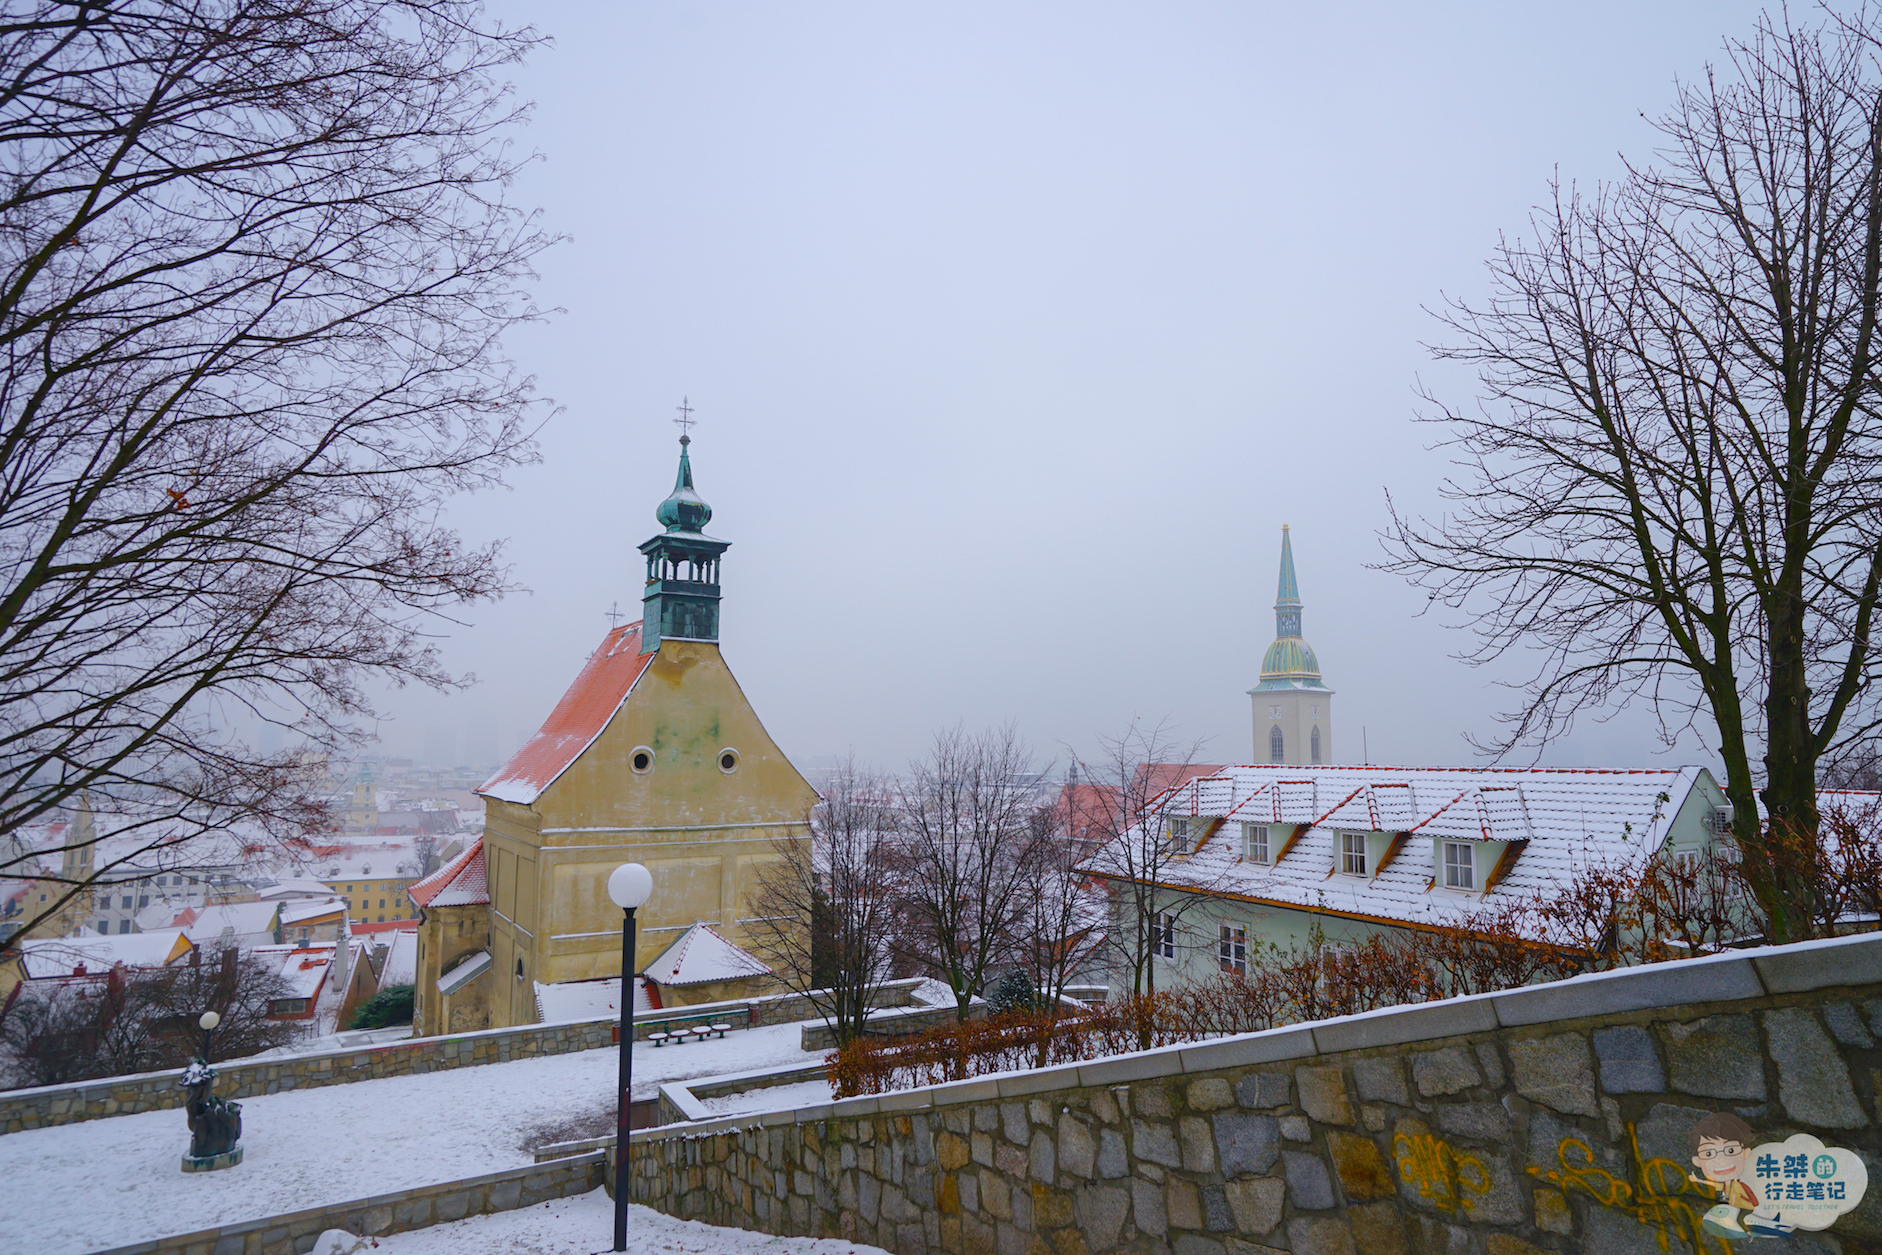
x,y
1277,748
1315,743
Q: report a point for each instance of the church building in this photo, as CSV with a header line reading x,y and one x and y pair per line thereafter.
x,y
653,756
1293,708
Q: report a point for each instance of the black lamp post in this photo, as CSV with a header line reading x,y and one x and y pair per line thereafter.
x,y
629,886
208,1020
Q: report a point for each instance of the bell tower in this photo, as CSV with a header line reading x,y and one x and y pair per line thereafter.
x,y
1293,708
681,601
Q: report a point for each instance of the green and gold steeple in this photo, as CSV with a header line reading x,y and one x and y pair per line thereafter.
x,y
1290,664
681,600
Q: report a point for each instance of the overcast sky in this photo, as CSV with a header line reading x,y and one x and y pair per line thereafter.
x,y
1014,333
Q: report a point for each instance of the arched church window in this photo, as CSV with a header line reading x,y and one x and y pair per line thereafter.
x,y
1277,749
1314,741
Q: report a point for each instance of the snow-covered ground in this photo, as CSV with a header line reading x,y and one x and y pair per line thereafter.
x,y
776,1098
580,1225
344,1142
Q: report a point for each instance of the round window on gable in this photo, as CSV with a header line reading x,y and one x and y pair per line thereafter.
x,y
728,761
641,759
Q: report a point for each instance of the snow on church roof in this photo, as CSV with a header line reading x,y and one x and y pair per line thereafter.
x,y
575,722
1556,821
702,955
460,882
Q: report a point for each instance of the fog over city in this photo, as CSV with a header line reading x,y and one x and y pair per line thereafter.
x,y
1014,334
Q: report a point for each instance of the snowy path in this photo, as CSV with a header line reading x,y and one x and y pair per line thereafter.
x,y
314,1146
577,1226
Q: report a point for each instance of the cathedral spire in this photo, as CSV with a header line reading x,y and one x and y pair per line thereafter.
x,y
1287,595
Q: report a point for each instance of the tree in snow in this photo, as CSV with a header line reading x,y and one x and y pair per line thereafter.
x,y
826,907
255,263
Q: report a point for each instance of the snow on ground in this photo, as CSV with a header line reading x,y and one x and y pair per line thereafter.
x,y
313,1146
585,1223
776,1098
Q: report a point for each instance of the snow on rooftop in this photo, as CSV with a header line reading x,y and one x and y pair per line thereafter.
x,y
307,912
1563,819
400,966
460,882
701,955
245,919
570,1002
611,673
62,956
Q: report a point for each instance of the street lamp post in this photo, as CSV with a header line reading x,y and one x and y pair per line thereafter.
x,y
629,886
208,1021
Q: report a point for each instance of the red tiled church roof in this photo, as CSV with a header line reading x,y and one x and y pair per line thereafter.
x,y
576,720
460,882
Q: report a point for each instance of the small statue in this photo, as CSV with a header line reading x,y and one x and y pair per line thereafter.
x,y
215,1123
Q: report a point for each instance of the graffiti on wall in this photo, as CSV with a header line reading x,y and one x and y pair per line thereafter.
x,y
1448,1180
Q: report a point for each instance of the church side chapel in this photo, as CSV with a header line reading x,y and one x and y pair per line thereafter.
x,y
653,756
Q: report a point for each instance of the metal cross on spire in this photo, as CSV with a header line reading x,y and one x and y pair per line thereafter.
x,y
685,421
614,615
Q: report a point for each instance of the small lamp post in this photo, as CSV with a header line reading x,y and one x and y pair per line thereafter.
x,y
629,886
208,1021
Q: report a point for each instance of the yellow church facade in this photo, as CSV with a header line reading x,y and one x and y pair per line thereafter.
x,y
652,756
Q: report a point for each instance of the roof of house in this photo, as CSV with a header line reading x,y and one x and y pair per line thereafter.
x,y
573,1001
245,919
1565,820
311,912
460,882
611,673
702,955
293,888
66,956
401,962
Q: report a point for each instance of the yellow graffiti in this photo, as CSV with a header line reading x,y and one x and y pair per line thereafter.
x,y
1653,1197
1441,1175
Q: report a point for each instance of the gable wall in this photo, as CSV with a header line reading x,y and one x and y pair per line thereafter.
x,y
703,832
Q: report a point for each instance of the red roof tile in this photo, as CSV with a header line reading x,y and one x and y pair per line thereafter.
x,y
576,720
460,882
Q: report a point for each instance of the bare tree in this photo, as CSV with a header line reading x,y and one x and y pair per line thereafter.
x,y
129,1020
1059,928
1671,487
826,908
255,261
1125,809
966,831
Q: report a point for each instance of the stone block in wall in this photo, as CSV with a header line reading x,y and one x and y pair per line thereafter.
x,y
1717,1057
1628,1060
1812,1083
1245,1143
1556,1071
1308,1185
1323,1094
1319,1235
1438,1073
1361,1168
1264,1091
1381,1080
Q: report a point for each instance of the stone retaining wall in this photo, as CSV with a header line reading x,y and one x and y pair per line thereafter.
x,y
22,1109
294,1233
1554,1118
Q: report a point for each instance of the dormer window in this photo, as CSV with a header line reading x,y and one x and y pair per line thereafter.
x,y
1353,853
1255,847
1460,865
1179,836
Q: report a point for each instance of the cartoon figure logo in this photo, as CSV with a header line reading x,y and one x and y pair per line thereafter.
x,y
1773,1188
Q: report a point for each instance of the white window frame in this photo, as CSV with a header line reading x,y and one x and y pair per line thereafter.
x,y
1353,849
1177,835
1460,865
1257,851
1686,860
1163,936
1231,948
